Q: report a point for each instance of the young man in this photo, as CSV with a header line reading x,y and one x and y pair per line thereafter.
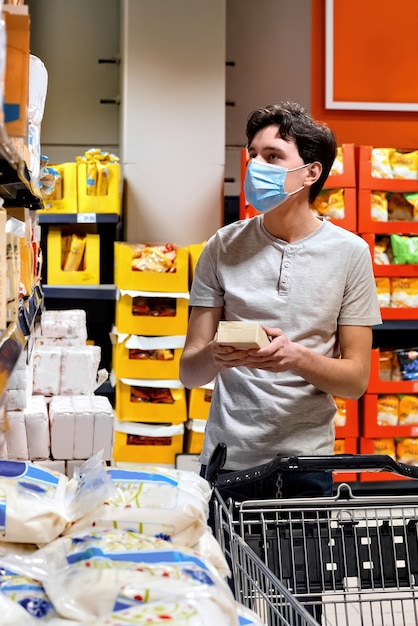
x,y
309,284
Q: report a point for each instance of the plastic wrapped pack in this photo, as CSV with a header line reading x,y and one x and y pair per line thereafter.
x,y
124,569
36,504
154,501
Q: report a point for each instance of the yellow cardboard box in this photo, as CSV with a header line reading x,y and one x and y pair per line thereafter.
x,y
108,203
129,304
194,436
147,443
146,357
143,400
199,402
57,276
127,278
64,197
16,79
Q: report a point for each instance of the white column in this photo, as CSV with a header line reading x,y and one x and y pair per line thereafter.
x,y
173,118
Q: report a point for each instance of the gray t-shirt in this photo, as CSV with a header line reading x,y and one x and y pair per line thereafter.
x,y
307,289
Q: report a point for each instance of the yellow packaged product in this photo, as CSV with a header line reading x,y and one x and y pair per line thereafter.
x,y
404,164
74,258
340,418
408,410
407,451
383,287
380,161
382,251
404,292
379,206
385,364
399,209
339,446
330,203
387,410
338,166
385,446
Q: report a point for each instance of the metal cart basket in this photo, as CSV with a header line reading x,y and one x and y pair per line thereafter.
x,y
344,560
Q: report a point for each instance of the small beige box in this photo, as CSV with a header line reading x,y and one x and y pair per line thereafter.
x,y
242,335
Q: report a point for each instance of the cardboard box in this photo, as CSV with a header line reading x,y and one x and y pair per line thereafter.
x,y
147,443
127,278
64,197
146,357
194,436
108,203
57,276
16,82
127,321
199,402
242,335
131,406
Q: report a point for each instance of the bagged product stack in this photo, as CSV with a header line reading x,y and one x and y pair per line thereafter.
x,y
150,328
54,416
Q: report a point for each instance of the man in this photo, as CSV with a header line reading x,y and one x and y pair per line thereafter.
x,y
309,284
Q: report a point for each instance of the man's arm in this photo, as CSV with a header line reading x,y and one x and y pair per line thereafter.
x,y
197,365
347,376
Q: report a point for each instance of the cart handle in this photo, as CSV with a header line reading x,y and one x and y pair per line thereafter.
x,y
337,462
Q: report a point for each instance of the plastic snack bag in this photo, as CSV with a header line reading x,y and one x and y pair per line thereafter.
x,y
37,504
404,164
408,363
380,162
155,501
379,206
87,576
405,249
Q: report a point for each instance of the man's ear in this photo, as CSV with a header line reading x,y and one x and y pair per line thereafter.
x,y
314,171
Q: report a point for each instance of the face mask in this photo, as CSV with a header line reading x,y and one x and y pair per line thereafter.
x,y
264,185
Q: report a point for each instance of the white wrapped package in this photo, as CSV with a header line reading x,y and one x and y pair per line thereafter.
x,y
16,399
187,611
155,501
37,428
62,425
79,368
87,576
36,504
248,617
56,341
47,370
211,551
70,324
103,426
83,426
22,374
17,443
12,614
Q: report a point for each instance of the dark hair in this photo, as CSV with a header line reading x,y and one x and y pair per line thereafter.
x,y
314,141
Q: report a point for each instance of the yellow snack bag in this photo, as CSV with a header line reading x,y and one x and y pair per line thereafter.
x,y
91,179
380,161
383,287
385,364
379,206
340,417
74,259
407,451
399,209
387,410
404,292
408,410
385,446
339,446
404,164
338,166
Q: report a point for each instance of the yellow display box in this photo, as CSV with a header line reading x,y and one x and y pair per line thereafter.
x,y
195,250
127,278
130,303
146,357
143,400
199,402
194,436
64,197
147,443
57,276
109,203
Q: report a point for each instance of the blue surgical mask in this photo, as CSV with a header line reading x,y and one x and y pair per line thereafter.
x,y
264,185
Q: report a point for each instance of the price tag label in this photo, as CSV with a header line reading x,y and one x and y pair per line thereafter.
x,y
86,218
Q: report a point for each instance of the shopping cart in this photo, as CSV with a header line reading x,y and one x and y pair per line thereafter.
x,y
343,560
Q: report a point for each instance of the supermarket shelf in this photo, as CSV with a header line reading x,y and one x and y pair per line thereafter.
x,y
397,324
16,187
397,313
83,292
78,218
14,338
